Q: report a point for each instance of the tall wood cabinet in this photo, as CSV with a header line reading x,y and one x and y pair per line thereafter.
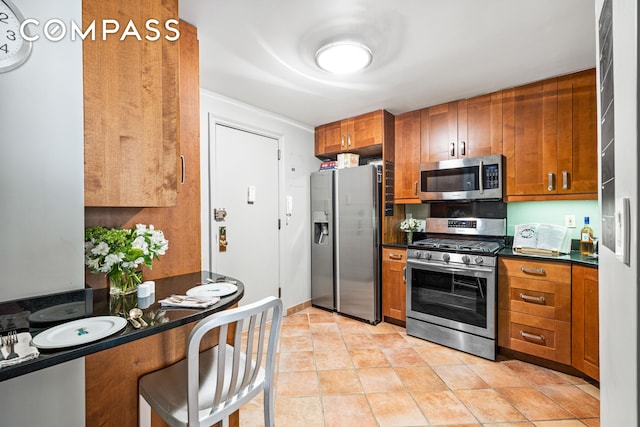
x,y
407,157
549,139
585,351
130,109
466,128
180,224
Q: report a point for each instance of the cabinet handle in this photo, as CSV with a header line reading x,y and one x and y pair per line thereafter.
x,y
528,336
463,148
550,184
184,169
404,274
349,140
529,298
415,188
395,256
342,141
529,270
565,180
453,149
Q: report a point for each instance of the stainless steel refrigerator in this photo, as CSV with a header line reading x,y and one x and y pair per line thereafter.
x,y
345,241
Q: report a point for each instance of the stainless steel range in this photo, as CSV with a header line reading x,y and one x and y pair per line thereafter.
x,y
452,283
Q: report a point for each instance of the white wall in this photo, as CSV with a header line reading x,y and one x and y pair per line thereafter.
x,y
618,282
42,205
297,163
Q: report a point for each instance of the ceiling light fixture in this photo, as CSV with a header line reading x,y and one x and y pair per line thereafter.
x,y
343,57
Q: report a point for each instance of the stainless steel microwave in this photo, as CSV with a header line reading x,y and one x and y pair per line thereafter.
x,y
476,178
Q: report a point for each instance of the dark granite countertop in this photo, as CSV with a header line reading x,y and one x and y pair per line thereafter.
x,y
574,257
23,315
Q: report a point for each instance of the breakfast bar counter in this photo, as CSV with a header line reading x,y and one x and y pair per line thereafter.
x,y
114,364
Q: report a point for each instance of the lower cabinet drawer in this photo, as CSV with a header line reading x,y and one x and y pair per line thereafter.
x,y
538,336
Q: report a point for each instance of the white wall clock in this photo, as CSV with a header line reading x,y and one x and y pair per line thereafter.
x,y
14,50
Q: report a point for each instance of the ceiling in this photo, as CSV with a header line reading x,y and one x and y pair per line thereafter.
x,y
426,52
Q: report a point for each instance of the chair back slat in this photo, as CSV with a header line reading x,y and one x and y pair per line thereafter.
x,y
227,390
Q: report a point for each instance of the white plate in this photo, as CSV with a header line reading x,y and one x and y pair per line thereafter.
x,y
217,289
79,332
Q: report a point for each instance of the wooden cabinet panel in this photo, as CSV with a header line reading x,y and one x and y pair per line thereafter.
x,y
361,134
530,120
480,126
537,336
394,290
577,134
466,128
180,224
534,308
130,109
439,134
334,139
549,139
585,355
407,156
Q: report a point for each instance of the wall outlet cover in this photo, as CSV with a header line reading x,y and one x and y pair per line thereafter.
x,y
570,221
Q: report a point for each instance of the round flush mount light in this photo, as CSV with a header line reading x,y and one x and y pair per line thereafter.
x,y
343,57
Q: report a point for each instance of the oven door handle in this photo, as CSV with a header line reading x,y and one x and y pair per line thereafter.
x,y
447,269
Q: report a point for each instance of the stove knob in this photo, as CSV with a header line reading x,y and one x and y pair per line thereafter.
x,y
446,257
427,255
418,254
479,260
466,259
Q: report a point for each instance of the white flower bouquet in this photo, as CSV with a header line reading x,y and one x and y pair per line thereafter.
x,y
409,224
119,252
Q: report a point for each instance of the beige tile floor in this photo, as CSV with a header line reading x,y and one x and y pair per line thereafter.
x,y
335,371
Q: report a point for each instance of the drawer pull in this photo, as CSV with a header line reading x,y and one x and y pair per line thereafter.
x,y
529,298
532,270
528,336
395,256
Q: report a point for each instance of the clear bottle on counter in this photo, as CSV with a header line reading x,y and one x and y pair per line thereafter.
x,y
586,238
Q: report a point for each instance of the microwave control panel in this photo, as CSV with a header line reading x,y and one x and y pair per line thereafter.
x,y
491,176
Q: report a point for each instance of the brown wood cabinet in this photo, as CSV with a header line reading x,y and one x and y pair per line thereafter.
x,y
394,289
466,128
549,139
130,109
407,157
180,224
534,308
585,351
362,135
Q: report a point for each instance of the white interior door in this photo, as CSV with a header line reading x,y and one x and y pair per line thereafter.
x,y
244,182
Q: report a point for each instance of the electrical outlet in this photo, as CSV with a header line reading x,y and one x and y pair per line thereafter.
x,y
570,221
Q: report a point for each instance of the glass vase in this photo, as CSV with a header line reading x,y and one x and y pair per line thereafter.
x,y
409,237
125,283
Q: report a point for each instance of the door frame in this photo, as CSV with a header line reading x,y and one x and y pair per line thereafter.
x,y
213,121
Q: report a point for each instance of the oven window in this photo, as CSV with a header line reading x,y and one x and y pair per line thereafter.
x,y
448,180
457,297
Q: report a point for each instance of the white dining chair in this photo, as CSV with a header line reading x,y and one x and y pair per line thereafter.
x,y
206,387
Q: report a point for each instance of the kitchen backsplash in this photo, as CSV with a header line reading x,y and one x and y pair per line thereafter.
x,y
547,212
553,212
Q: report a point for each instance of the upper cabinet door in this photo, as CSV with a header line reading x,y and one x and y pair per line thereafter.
x,y
334,139
530,116
480,126
439,136
365,130
131,117
407,156
577,134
